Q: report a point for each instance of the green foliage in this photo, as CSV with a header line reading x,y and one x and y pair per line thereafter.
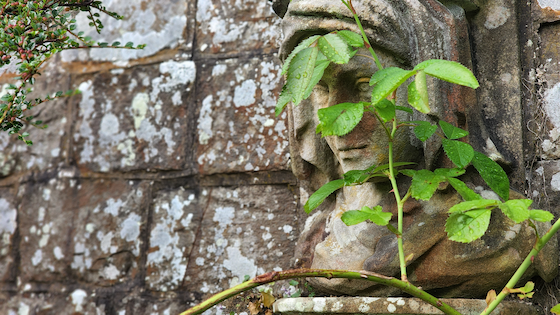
x,y
339,119
493,174
468,226
31,32
319,196
375,215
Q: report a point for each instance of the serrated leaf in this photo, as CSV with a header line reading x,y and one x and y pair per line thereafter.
x,y
516,209
473,205
459,153
452,132
302,45
449,172
300,73
386,110
424,184
492,173
353,39
418,93
465,192
339,119
453,72
320,65
423,130
319,196
467,227
386,81
375,215
540,215
335,48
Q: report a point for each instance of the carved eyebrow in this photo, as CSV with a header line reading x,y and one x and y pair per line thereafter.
x,y
361,80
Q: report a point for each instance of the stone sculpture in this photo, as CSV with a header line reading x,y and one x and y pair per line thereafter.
x,y
404,33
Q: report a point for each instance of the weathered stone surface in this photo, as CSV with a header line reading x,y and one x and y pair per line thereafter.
x,y
105,244
44,223
136,119
546,121
236,27
8,226
158,24
245,231
50,145
237,130
175,222
387,306
545,185
76,301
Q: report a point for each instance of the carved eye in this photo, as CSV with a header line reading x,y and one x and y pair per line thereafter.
x,y
362,85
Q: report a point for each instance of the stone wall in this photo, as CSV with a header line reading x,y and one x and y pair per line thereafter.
x,y
167,179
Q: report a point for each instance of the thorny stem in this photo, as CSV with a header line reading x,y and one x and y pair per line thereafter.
x,y
539,244
350,7
323,273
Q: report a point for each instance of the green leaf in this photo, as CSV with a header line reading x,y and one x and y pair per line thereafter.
x,y
516,209
319,196
357,176
423,130
473,205
386,110
459,153
114,44
386,81
339,119
300,73
129,44
335,48
449,172
467,227
555,309
451,131
351,38
405,109
304,44
418,93
102,44
465,192
451,71
540,215
424,184
320,65
493,174
283,99
375,215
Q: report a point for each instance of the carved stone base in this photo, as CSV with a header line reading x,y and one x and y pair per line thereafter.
x,y
389,306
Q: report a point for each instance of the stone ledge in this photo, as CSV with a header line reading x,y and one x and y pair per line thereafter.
x,y
387,306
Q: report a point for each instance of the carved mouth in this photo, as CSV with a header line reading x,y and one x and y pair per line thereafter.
x,y
346,149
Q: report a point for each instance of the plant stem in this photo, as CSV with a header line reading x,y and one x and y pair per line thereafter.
x,y
323,273
392,178
540,243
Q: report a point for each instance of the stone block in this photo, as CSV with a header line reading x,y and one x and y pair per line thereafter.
x,y
245,231
175,222
102,247
77,301
544,186
45,214
136,119
232,27
8,226
237,128
546,122
50,148
161,25
106,241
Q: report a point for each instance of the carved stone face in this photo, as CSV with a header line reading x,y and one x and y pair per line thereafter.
x,y
403,33
367,144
